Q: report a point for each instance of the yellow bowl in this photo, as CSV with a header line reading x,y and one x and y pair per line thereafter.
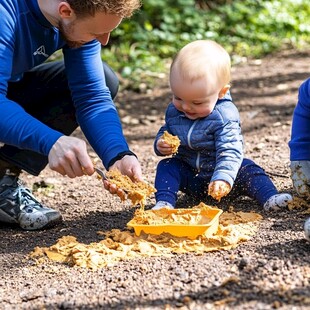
x,y
207,225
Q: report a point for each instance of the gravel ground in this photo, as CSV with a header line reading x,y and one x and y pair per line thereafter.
x,y
270,271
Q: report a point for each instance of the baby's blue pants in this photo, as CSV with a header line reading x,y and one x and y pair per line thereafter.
x,y
173,175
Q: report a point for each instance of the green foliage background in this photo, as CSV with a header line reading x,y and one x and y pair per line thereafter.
x,y
143,45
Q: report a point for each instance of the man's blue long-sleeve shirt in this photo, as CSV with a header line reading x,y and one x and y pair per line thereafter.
x,y
300,137
27,39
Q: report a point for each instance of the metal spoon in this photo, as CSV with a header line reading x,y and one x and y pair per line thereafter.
x,y
101,173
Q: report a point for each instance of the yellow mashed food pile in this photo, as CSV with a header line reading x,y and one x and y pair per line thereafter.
x,y
137,192
173,141
298,203
234,228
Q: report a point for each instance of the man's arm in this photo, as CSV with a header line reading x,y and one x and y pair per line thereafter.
x,y
96,112
300,136
17,127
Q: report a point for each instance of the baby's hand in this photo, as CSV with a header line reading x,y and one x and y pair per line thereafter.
x,y
163,147
218,189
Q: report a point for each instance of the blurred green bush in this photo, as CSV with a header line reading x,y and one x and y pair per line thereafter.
x,y
141,47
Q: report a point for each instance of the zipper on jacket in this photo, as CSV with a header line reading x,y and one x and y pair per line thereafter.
x,y
190,145
197,162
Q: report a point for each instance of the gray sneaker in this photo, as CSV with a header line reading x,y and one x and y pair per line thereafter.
x,y
17,205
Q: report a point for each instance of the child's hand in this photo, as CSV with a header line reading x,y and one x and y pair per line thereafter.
x,y
218,189
163,147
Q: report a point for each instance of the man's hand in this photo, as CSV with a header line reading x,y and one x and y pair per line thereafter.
x,y
163,147
68,156
218,189
128,165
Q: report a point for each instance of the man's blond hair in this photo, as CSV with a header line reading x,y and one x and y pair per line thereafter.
x,y
203,59
122,8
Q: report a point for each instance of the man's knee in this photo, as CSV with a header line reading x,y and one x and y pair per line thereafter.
x,y
111,80
300,175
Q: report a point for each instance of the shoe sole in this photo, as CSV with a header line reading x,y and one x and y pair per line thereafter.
x,y
4,218
51,223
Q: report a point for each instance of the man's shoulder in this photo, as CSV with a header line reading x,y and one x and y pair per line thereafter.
x,y
304,91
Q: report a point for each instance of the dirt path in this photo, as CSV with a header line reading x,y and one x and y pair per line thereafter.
x,y
272,270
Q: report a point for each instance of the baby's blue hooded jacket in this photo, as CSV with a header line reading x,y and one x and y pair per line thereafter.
x,y
213,145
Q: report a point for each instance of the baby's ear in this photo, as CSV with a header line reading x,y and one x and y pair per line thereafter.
x,y
223,91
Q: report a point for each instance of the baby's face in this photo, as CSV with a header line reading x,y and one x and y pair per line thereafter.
x,y
195,99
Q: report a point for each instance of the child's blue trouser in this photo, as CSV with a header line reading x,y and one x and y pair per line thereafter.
x,y
44,93
173,175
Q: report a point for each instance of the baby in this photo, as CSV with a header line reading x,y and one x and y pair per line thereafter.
x,y
210,156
